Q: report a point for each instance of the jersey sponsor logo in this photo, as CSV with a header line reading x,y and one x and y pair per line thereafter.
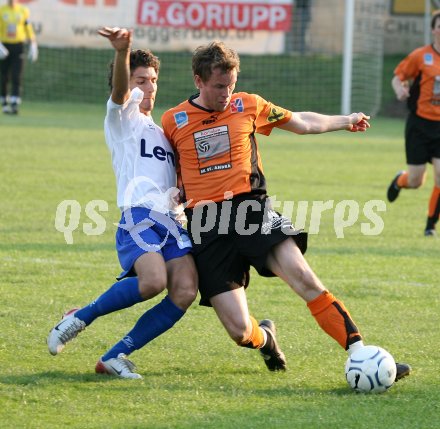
x,y
11,32
436,89
158,152
211,120
428,59
181,119
216,167
237,105
275,115
203,147
213,149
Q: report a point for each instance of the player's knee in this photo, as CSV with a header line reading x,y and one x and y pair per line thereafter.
x,y
184,292
416,181
415,184
151,286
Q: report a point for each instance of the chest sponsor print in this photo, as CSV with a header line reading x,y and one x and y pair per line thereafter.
x,y
157,152
213,149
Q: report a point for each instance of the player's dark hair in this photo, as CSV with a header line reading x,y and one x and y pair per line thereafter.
x,y
434,18
138,58
207,58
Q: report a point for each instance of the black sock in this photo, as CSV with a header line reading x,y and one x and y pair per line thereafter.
x,y
430,223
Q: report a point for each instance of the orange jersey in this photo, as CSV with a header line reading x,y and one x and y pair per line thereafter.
x,y
217,151
422,67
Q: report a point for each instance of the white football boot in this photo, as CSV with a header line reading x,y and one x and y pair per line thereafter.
x,y
69,327
120,366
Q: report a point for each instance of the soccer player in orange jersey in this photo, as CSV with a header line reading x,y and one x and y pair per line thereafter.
x,y
230,218
15,31
417,80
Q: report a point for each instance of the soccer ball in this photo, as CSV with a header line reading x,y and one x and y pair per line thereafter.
x,y
370,369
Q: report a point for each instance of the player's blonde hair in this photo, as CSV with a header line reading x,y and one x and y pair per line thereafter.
x,y
215,55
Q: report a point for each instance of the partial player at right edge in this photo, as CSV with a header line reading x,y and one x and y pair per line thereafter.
x,y
417,80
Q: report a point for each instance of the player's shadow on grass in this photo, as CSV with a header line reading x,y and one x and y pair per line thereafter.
x,y
49,377
40,379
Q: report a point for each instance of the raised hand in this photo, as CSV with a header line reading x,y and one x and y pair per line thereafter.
x,y
120,38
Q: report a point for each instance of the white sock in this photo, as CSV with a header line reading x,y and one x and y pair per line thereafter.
x,y
355,346
264,336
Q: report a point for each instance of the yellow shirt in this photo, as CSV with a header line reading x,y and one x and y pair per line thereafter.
x,y
14,24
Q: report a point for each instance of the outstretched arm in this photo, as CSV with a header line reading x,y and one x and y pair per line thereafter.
x,y
316,123
121,39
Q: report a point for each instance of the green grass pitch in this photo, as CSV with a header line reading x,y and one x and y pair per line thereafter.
x,y
194,376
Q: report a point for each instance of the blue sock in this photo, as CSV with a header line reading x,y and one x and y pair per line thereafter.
x,y
122,294
151,324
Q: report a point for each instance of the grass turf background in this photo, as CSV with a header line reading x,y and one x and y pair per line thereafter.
x,y
194,376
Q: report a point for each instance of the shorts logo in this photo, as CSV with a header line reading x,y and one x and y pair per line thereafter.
x,y
237,106
428,59
275,115
181,119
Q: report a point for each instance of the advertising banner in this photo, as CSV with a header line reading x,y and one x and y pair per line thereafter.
x,y
250,26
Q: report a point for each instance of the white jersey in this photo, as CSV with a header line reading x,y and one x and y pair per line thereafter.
x,y
143,159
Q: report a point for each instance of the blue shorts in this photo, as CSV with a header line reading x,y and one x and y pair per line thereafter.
x,y
142,230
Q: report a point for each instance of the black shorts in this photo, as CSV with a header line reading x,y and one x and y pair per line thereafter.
x,y
230,237
422,140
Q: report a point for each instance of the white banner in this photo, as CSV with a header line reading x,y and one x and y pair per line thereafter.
x,y
249,26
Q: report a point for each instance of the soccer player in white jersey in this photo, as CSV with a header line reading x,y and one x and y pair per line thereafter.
x,y
153,249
